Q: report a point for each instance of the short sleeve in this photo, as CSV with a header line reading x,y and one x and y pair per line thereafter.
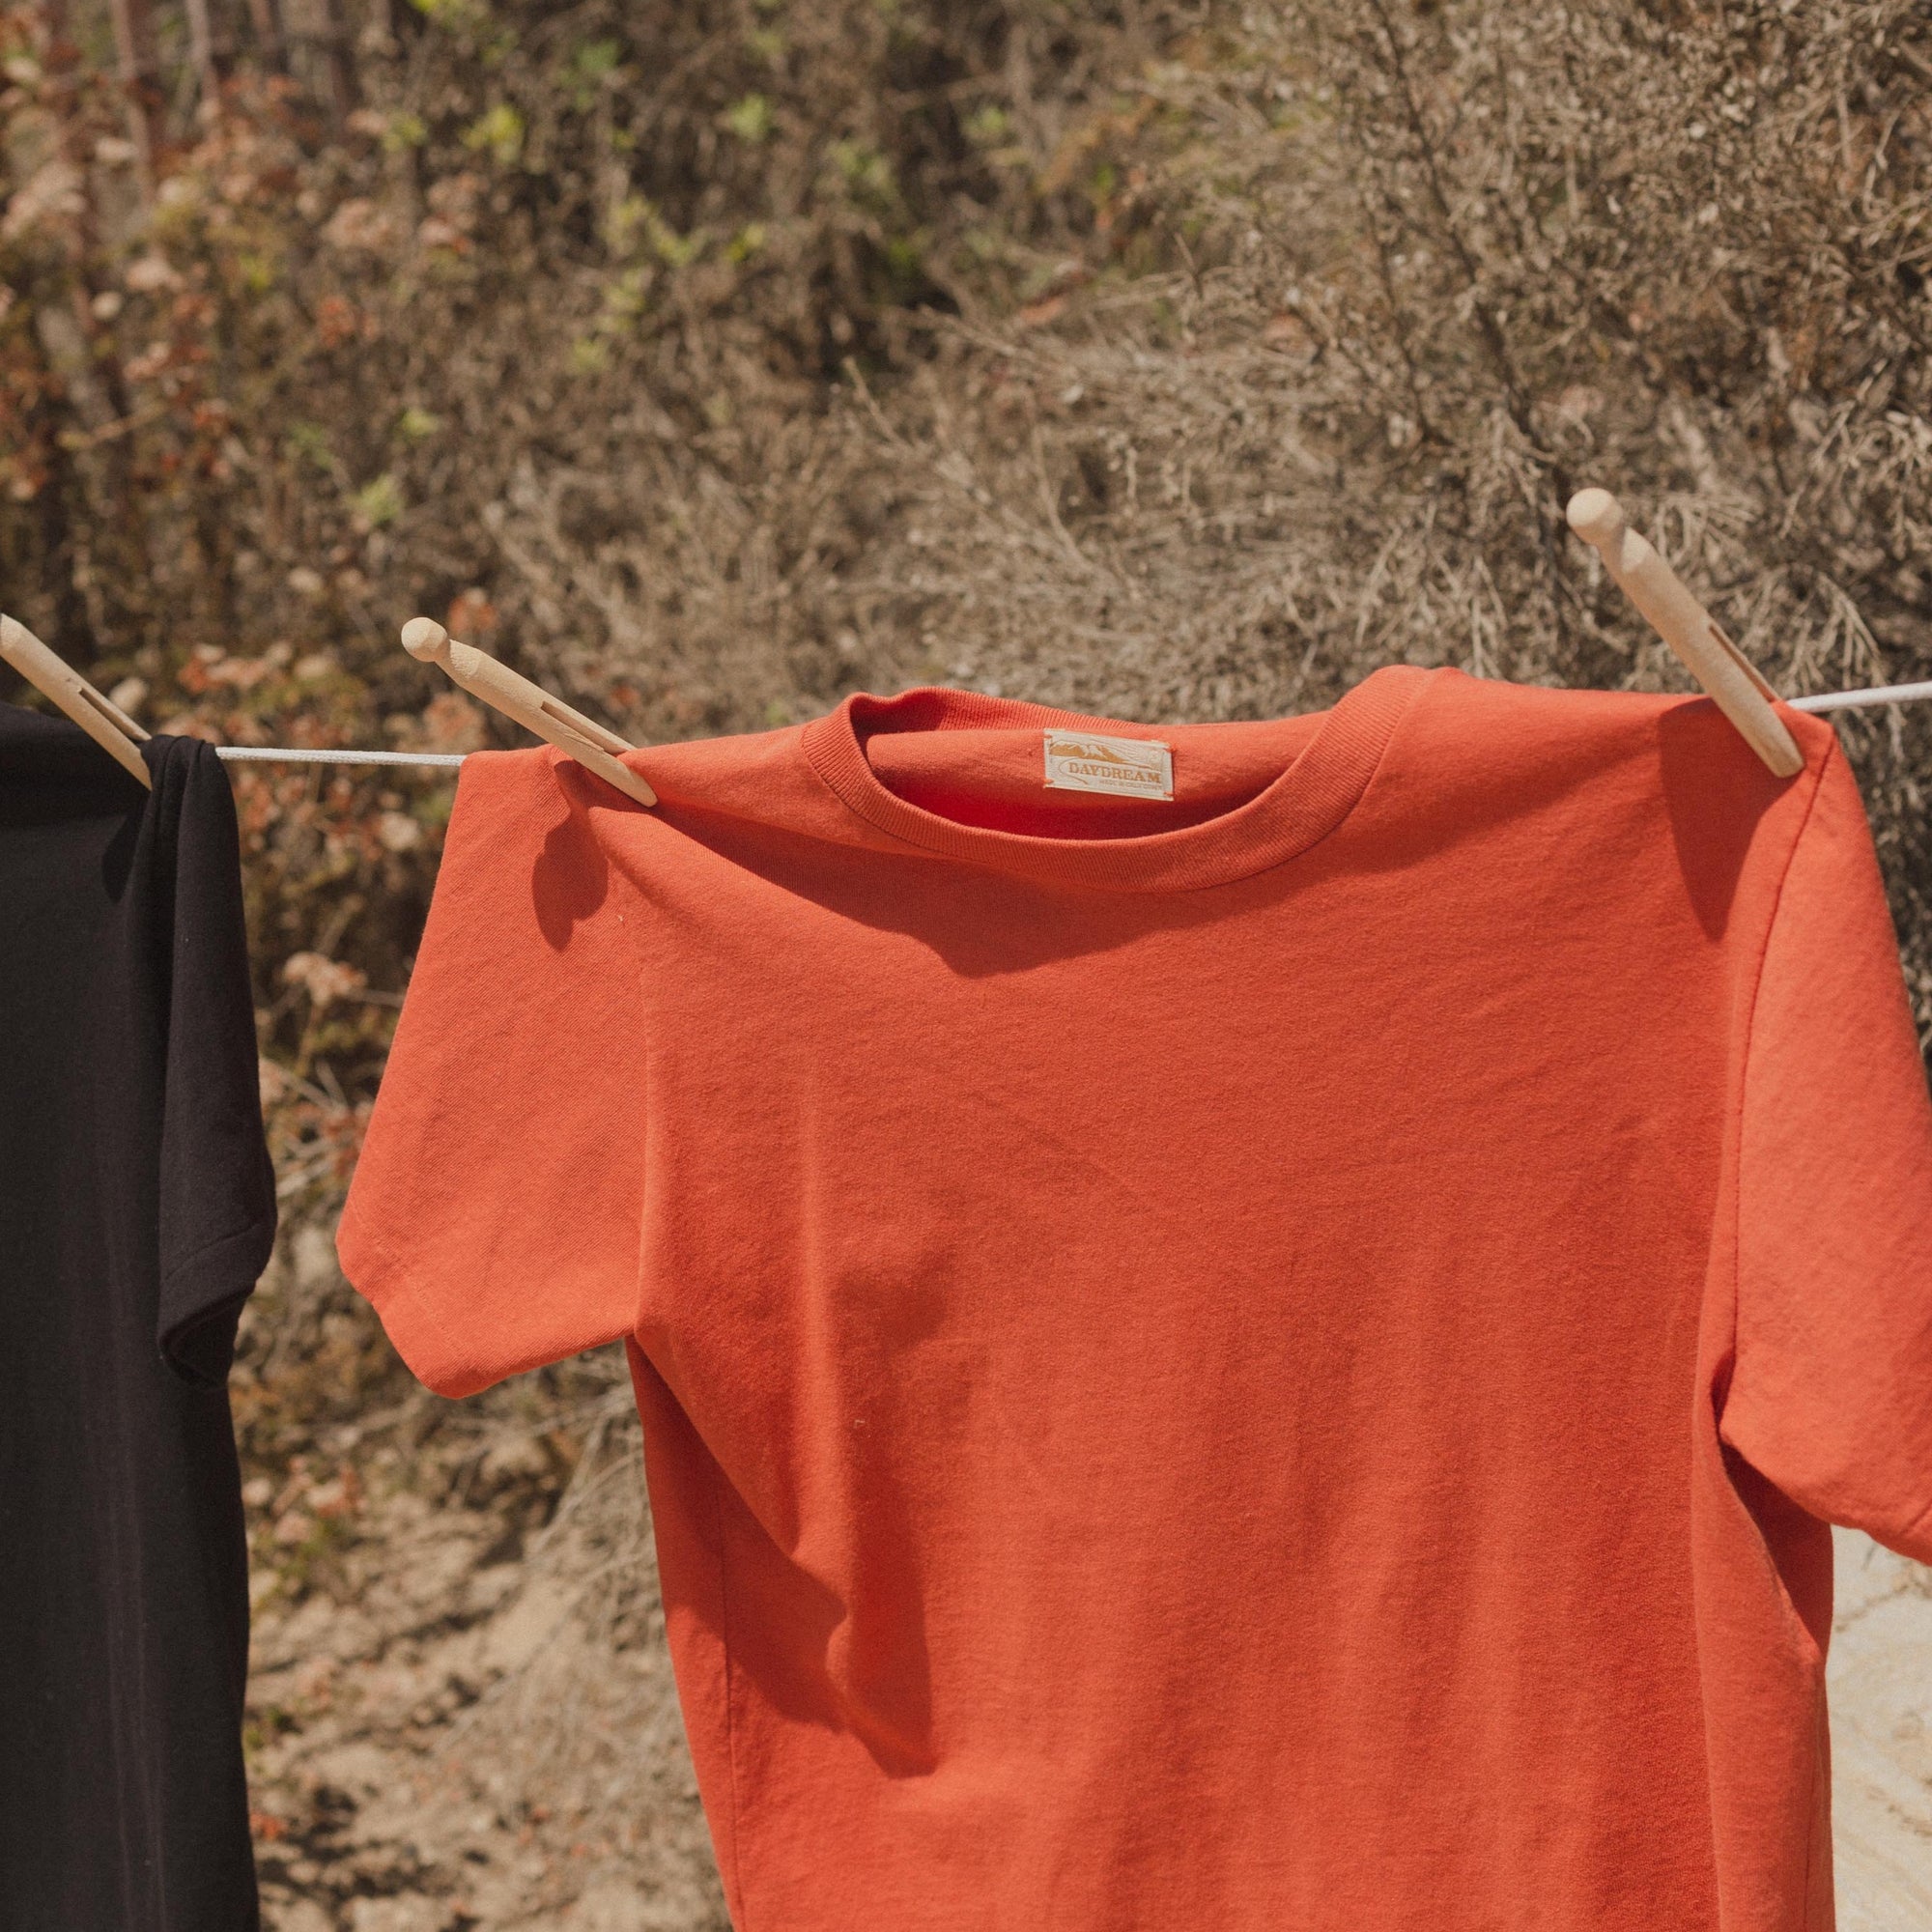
x,y
217,1184
494,1212
1830,1393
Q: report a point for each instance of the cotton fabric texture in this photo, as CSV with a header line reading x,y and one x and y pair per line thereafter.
x,y
1277,1362
137,1206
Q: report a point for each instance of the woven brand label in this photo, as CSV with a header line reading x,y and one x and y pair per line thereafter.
x,y
1128,767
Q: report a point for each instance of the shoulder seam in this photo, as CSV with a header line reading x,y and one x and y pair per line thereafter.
x,y
1831,750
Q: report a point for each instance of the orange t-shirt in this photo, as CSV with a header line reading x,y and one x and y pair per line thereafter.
x,y
1271,1360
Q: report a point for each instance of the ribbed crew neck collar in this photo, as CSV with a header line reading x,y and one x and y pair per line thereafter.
x,y
1305,803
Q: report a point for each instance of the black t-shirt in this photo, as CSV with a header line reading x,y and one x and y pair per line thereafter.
x,y
137,1206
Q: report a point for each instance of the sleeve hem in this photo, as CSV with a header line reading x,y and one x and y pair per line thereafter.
x,y
409,1319
199,1343
1914,1541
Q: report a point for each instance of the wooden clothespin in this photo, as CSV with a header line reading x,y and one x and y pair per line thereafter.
x,y
505,689
1695,637
100,716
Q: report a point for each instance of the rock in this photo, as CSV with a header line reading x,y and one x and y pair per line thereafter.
x,y
314,1255
519,1632
612,1905
396,1915
300,1914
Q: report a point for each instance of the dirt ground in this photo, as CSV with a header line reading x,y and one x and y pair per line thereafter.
x,y
462,1717
1880,1677
461,1711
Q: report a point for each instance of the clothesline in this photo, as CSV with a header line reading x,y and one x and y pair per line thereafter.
x,y
1859,700
309,755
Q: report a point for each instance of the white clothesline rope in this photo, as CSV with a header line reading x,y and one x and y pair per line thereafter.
x,y
1858,700
308,755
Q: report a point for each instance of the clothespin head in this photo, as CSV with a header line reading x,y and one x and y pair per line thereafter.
x,y
592,745
99,715
1695,637
427,641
